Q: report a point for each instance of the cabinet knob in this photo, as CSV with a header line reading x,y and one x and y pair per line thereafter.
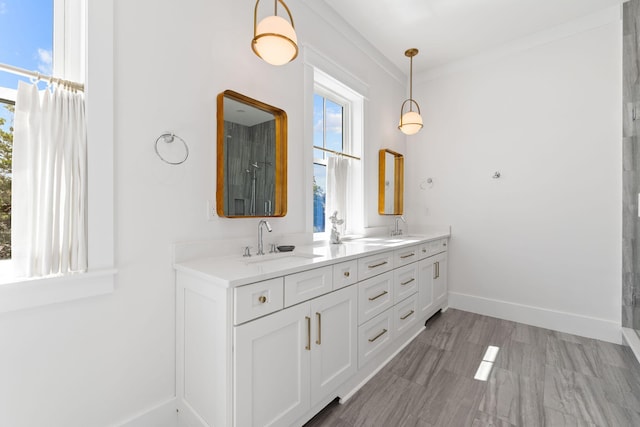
x,y
346,274
262,299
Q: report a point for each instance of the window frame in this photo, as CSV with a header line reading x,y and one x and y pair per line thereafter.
x,y
353,116
18,293
336,98
347,106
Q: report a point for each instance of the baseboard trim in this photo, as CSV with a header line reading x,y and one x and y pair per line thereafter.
x,y
571,323
162,415
633,340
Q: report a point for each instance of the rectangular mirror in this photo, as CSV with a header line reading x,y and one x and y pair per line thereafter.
x,y
390,183
251,159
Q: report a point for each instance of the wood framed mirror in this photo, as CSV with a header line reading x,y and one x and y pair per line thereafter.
x,y
251,158
390,183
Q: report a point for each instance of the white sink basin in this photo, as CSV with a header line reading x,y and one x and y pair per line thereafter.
x,y
386,241
280,259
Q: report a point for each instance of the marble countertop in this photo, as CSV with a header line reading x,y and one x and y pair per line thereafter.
x,y
232,271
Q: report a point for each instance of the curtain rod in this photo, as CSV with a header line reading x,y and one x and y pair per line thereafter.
x,y
337,153
38,76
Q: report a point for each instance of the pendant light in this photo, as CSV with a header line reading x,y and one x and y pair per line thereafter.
x,y
411,121
274,38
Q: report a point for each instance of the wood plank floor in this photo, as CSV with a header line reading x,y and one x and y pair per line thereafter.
x,y
540,378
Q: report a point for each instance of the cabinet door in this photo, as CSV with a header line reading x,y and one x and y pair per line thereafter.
x,y
426,277
334,345
440,290
271,369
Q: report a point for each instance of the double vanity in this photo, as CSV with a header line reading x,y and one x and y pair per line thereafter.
x,y
270,340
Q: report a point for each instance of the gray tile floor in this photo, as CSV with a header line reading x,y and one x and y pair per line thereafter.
x,y
540,378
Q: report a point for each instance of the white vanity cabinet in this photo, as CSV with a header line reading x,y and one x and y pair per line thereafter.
x,y
271,349
440,288
432,277
288,361
426,274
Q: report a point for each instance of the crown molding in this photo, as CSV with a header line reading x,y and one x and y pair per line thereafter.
x,y
337,22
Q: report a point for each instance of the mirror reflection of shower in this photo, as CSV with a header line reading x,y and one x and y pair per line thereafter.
x,y
252,170
249,170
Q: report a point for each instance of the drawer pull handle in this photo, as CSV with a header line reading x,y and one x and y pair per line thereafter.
x,y
378,296
379,264
262,299
319,340
424,251
384,331
308,347
407,255
407,282
407,315
346,274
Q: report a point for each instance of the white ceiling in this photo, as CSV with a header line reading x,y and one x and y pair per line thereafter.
x,y
448,30
244,114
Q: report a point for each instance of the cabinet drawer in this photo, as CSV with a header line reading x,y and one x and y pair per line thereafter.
x,y
345,274
405,314
428,249
375,264
258,299
375,295
438,246
307,284
406,256
405,281
374,336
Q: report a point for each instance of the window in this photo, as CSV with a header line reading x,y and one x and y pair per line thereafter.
x,y
6,145
33,50
335,110
328,140
75,29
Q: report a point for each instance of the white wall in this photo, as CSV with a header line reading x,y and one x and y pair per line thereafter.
x,y
545,235
542,244
101,361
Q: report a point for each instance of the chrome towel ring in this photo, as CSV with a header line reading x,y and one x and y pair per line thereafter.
x,y
170,138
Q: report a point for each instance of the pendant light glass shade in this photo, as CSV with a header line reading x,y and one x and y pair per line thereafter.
x,y
274,38
410,121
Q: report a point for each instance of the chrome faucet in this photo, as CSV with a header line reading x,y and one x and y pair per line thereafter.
x,y
397,231
260,244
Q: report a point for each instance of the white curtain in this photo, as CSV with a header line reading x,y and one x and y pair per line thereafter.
x,y
337,184
50,181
